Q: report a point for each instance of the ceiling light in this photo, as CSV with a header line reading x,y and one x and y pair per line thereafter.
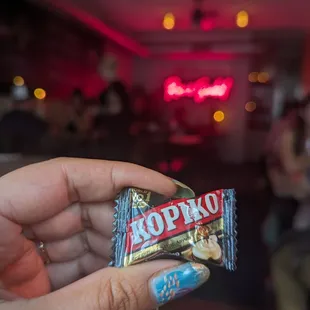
x,y
263,77
242,19
169,21
253,77
18,81
219,116
40,93
250,106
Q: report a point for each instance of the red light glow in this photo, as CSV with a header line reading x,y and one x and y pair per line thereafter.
x,y
177,165
207,24
199,90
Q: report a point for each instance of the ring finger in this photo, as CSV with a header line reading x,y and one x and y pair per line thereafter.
x,y
67,249
77,245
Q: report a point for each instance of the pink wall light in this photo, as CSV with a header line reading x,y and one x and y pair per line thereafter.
x,y
199,90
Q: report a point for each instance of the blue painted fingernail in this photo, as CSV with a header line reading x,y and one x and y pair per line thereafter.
x,y
174,283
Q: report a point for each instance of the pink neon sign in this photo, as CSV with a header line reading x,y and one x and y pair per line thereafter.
x,y
199,90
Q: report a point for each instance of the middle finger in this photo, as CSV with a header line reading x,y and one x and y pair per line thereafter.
x,y
74,219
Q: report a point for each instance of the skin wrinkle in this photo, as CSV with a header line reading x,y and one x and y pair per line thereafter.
x,y
72,192
12,209
52,247
103,240
113,179
82,271
85,215
5,224
28,232
84,240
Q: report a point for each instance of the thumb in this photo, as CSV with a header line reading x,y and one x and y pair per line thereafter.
x,y
139,287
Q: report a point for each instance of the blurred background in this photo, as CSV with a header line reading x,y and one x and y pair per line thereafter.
x,y
203,91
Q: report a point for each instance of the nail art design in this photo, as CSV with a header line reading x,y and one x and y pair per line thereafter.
x,y
179,281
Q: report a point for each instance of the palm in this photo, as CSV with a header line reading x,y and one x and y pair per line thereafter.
x,y
71,211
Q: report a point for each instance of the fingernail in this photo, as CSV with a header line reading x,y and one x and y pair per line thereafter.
x,y
183,191
178,281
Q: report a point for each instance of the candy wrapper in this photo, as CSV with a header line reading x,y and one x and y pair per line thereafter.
x,y
149,226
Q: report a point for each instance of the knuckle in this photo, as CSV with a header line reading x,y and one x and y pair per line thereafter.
x,y
117,292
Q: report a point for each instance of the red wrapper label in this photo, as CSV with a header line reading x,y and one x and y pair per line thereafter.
x,y
171,219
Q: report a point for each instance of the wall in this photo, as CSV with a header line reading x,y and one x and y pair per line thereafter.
x,y
49,50
152,73
125,61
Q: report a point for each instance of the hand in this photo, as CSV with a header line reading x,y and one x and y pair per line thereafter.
x,y
68,204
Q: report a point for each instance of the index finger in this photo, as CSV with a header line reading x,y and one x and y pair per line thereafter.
x,y
37,192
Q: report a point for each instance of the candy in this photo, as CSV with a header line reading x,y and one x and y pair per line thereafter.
x,y
149,226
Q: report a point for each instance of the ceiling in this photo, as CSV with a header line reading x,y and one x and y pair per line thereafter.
x,y
136,25
135,16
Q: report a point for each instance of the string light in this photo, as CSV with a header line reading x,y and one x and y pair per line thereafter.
x,y
169,21
242,19
39,93
253,77
18,81
219,116
250,106
263,77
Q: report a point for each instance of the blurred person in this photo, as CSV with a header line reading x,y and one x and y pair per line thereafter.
x,y
302,218
294,153
145,128
55,240
80,120
21,129
112,124
283,204
144,118
291,262
286,118
115,111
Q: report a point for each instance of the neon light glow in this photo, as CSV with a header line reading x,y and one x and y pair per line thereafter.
x,y
199,90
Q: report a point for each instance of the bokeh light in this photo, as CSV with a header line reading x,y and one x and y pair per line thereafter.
x,y
169,21
219,116
18,81
242,19
40,93
253,77
263,77
250,106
